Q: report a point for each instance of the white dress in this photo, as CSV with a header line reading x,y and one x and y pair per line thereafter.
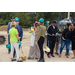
x,y
32,37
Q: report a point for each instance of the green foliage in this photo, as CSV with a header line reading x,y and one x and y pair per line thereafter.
x,y
27,18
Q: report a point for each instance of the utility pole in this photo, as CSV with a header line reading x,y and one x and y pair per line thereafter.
x,y
59,18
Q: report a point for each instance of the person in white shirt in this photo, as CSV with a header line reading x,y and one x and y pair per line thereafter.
x,y
34,51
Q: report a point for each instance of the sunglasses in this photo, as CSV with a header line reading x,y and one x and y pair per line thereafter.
x,y
36,23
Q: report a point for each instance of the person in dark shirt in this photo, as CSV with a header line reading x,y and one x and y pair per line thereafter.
x,y
73,38
51,37
65,40
57,39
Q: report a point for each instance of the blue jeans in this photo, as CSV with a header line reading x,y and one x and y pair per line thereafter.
x,y
63,43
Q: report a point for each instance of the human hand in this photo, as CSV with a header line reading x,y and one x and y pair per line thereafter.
x,y
63,38
19,38
52,34
36,43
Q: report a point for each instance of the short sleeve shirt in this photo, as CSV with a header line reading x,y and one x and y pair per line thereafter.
x,y
13,32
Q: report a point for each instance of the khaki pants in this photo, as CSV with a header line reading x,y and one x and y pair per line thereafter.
x,y
16,46
34,51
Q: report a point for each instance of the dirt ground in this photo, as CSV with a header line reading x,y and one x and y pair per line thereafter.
x,y
5,57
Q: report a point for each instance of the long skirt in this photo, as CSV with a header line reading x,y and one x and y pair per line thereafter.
x,y
34,51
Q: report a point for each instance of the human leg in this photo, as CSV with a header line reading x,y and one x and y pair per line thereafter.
x,y
62,46
40,44
67,47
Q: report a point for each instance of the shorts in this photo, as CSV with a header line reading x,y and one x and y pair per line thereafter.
x,y
57,39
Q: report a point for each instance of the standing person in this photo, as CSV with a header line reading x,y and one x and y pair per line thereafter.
x,y
19,28
51,34
65,40
14,37
47,23
34,49
8,28
40,38
73,38
57,39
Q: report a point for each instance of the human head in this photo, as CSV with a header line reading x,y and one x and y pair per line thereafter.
x,y
47,22
36,23
41,21
13,24
16,20
54,23
73,25
68,24
12,19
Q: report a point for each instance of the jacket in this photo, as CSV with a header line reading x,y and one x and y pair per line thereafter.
x,y
51,30
41,32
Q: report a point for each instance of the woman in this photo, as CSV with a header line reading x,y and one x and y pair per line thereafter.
x,y
14,37
34,49
40,38
65,40
73,38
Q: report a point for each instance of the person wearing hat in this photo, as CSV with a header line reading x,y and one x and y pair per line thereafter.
x,y
51,34
8,28
47,23
19,28
40,38
57,38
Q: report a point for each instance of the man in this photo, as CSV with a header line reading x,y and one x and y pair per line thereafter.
x,y
51,36
57,39
47,23
19,28
8,28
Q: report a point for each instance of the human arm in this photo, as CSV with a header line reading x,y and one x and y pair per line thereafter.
x,y
64,33
38,33
8,27
21,33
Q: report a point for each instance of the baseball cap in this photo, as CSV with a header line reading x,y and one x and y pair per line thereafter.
x,y
55,22
13,17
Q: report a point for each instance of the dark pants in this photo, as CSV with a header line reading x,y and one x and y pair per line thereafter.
x,y
40,44
51,44
9,43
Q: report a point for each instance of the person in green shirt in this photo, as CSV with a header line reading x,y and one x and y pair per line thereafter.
x,y
14,37
40,38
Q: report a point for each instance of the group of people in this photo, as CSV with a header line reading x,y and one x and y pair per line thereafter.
x,y
52,30
15,33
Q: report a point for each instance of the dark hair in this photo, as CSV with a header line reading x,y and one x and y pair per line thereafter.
x,y
74,23
68,24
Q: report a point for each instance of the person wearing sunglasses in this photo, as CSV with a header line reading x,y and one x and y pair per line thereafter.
x,y
65,40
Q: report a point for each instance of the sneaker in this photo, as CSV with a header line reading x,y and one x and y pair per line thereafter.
x,y
57,53
52,55
13,59
67,56
36,58
48,55
42,60
19,61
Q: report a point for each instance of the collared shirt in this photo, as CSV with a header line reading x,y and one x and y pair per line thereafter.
x,y
13,31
